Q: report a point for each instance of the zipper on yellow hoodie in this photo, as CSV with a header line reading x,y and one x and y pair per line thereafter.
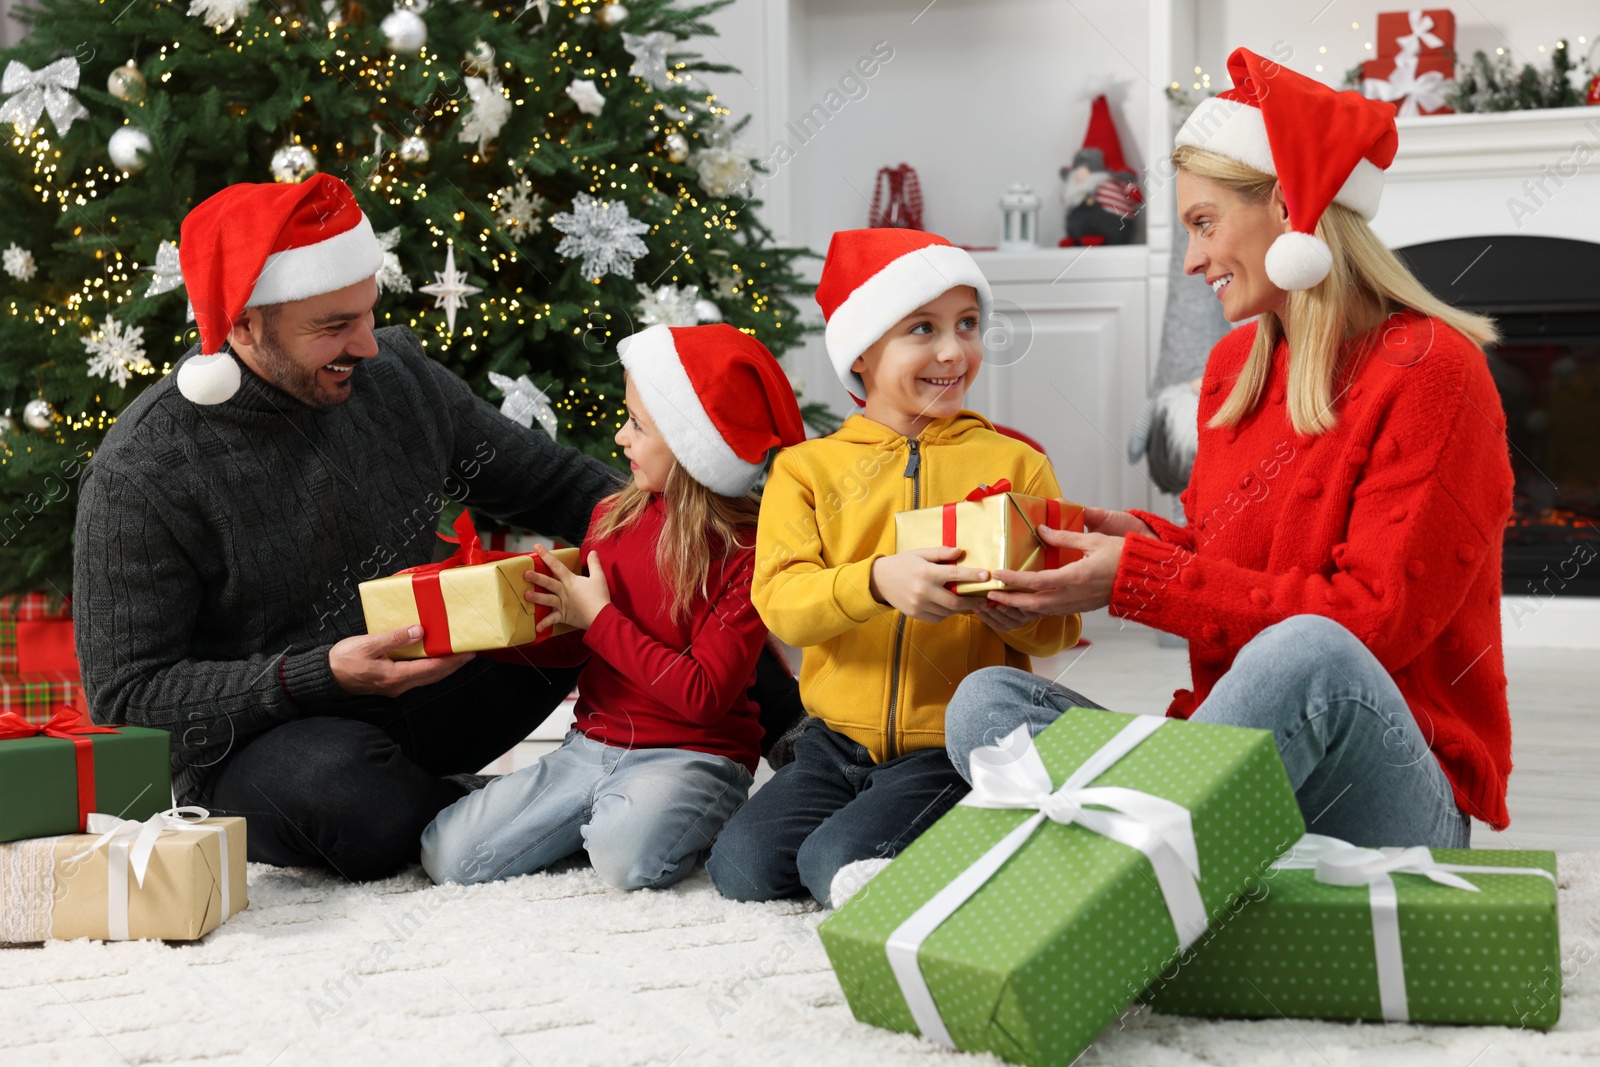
x,y
914,472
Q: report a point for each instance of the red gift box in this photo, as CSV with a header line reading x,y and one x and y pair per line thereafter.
x,y
1416,85
1434,31
36,634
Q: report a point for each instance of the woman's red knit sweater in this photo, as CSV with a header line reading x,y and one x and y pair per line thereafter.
x,y
1390,524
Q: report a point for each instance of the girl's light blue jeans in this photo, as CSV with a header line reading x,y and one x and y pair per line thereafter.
x,y
1360,766
646,816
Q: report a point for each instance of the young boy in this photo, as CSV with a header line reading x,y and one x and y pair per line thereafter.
x,y
885,642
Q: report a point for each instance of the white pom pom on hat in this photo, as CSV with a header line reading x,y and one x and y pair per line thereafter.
x,y
1324,147
265,243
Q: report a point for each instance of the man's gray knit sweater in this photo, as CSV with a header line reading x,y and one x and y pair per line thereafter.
x,y
219,548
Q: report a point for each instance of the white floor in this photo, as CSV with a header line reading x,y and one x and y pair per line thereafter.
x,y
1555,722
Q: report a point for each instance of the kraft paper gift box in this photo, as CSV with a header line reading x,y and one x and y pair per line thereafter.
x,y
1029,916
996,528
54,773
471,602
166,877
1402,935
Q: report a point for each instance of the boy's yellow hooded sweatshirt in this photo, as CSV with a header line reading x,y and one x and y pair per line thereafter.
x,y
827,513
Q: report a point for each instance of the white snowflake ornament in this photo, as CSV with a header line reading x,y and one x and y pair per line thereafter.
x,y
586,96
18,262
668,305
490,109
649,51
451,289
220,14
391,278
116,352
517,209
603,234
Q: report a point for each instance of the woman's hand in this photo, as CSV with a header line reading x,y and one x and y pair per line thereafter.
x,y
1002,619
1114,523
572,598
1080,586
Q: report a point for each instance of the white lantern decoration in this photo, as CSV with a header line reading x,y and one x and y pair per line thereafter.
x,y
1019,231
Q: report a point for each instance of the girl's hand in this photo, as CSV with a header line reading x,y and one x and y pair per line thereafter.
x,y
572,598
1080,586
1001,619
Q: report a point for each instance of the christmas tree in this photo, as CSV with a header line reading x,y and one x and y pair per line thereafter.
x,y
548,177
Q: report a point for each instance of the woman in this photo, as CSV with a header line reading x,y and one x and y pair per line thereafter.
x,y
1339,576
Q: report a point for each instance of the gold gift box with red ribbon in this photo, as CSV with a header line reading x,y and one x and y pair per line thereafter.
x,y
471,602
997,528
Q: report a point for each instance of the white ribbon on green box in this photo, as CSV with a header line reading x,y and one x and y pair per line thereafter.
x,y
1340,863
1011,774
130,843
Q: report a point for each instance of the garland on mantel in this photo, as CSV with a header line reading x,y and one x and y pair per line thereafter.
x,y
1495,84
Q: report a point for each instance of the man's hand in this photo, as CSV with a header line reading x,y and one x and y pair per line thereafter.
x,y
574,599
362,667
914,581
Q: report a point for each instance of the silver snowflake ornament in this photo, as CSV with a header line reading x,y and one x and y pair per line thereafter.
x,y
525,403
668,305
517,209
451,289
116,352
168,271
390,278
603,234
649,52
18,262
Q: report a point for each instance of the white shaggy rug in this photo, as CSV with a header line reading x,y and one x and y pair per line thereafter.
x,y
558,969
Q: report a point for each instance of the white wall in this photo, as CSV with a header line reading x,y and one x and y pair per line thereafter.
x,y
1345,28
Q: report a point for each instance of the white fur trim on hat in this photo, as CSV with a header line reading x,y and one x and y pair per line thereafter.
x,y
893,293
311,270
1237,130
208,379
652,361
1297,261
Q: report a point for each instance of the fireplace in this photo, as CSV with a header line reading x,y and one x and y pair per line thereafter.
x,y
1542,291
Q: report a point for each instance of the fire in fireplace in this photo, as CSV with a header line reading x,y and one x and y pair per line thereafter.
x,y
1544,292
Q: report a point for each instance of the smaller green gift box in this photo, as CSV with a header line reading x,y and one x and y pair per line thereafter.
x,y
1400,935
53,773
1083,862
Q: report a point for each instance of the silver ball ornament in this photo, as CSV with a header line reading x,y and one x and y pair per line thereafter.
x,y
128,147
126,83
38,414
293,163
677,147
613,15
7,424
404,31
414,150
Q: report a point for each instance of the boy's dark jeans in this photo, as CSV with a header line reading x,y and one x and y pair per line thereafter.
x,y
830,807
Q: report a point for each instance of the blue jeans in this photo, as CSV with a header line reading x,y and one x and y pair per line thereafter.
x,y
1360,767
830,807
644,815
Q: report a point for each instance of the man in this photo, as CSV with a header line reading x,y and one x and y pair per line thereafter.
x,y
234,507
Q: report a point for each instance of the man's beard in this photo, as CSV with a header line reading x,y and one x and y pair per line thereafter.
x,y
283,372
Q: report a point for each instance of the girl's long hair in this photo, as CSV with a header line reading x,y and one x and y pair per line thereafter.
x,y
1366,280
701,525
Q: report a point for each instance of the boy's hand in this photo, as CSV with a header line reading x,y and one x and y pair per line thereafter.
x,y
914,581
1001,619
572,598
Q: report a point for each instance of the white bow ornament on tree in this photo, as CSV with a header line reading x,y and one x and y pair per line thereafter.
x,y
47,89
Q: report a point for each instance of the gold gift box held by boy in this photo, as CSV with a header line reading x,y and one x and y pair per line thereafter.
x,y
996,528
471,602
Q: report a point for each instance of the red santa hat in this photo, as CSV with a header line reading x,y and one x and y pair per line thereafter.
x,y
250,245
718,397
1323,147
1102,134
874,278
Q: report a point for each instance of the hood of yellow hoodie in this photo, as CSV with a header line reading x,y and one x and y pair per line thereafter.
x,y
858,429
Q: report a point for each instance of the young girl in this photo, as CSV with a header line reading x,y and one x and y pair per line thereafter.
x,y
666,739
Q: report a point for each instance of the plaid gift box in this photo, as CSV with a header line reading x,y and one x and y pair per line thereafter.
x,y
34,695
36,634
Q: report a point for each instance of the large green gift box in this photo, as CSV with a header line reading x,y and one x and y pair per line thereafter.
x,y
54,773
1440,936
1069,928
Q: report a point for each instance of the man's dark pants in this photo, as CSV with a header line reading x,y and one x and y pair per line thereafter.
x,y
353,791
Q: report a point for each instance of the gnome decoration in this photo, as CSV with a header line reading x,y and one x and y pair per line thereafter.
x,y
1100,193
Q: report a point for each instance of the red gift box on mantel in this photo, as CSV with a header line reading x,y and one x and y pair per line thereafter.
x,y
1430,32
1416,85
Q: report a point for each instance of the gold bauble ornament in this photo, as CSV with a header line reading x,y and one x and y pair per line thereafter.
x,y
127,83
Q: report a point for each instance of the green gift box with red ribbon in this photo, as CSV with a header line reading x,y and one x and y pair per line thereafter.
x,y
998,530
55,772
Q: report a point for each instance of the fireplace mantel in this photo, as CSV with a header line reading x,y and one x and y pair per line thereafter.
x,y
1490,145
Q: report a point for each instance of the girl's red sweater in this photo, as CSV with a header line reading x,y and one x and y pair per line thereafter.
x,y
1390,524
651,682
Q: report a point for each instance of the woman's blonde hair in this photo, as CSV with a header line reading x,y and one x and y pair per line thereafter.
x,y
1366,285
699,522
